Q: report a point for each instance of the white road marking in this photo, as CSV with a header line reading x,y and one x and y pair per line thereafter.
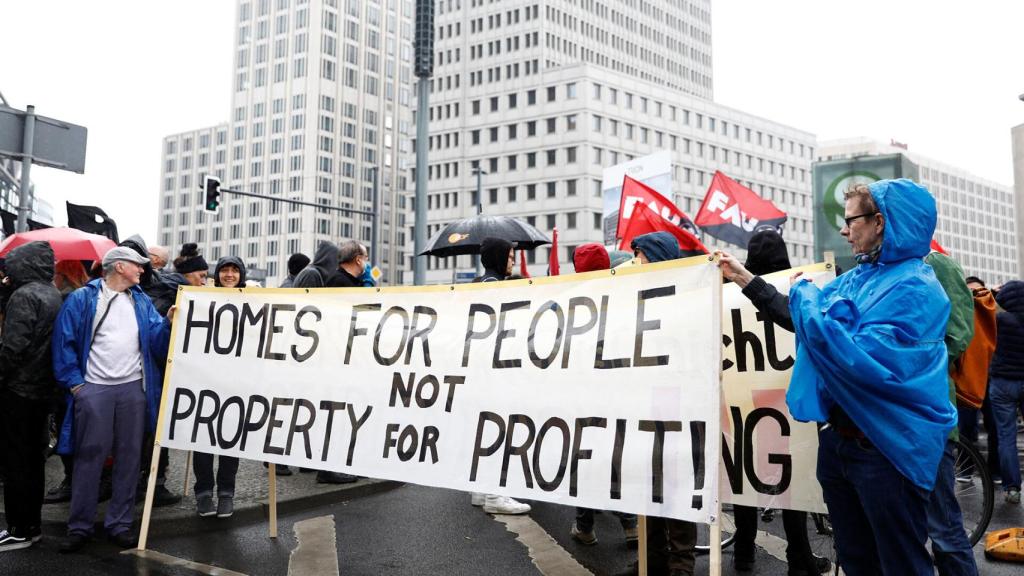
x,y
549,558
168,560
317,551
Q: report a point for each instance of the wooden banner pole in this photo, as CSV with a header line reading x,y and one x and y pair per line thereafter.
x,y
641,545
272,475
188,468
147,509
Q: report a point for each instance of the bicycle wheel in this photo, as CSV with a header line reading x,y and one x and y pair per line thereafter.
x,y
821,538
728,531
974,490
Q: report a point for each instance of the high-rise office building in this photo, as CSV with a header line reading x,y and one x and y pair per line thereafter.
x,y
319,112
543,95
1018,192
977,222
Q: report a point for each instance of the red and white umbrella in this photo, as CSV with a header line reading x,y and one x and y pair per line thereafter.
x,y
67,243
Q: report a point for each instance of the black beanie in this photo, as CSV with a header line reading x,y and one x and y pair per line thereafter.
x,y
296,262
189,260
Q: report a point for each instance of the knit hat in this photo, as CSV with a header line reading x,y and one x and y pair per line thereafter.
x,y
189,260
296,262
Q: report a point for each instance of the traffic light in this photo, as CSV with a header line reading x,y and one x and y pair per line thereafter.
x,y
212,187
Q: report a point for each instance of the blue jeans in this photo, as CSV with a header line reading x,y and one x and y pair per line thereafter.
x,y
952,549
1007,397
879,517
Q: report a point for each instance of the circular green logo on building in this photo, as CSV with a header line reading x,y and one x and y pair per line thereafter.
x,y
833,203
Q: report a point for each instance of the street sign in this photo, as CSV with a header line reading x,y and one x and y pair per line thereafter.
x,y
375,273
56,144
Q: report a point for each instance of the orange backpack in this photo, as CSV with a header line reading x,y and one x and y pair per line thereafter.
x,y
971,370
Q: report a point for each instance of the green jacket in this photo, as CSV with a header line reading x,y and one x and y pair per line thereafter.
x,y
960,327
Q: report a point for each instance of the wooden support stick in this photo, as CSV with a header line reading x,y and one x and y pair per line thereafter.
x,y
147,509
272,474
641,545
188,467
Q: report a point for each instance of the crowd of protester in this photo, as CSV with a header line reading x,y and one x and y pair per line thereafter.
x,y
881,350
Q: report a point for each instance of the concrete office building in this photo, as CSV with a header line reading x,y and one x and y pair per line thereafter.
x,y
1018,192
319,108
977,221
544,94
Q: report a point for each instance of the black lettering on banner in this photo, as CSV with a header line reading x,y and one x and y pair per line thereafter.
x,y
478,448
742,339
353,331
401,390
783,460
430,436
273,328
577,453
475,335
248,317
221,441
539,362
770,347
208,420
389,438
521,450
311,334
250,424
191,324
506,307
697,435
331,407
659,427
452,382
599,361
357,423
177,414
615,492
545,485
571,329
417,333
733,459
232,327
268,448
393,311
427,401
645,325
303,428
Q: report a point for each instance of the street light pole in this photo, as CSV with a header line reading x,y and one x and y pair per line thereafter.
x,y
375,222
424,62
479,172
27,143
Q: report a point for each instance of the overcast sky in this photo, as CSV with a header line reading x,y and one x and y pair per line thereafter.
x,y
941,76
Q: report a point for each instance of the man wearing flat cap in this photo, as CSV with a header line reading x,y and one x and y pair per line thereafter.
x,y
108,343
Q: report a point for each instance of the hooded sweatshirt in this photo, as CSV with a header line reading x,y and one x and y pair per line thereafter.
x,y
590,257
494,258
766,253
657,246
26,366
320,270
871,342
162,293
237,262
1008,360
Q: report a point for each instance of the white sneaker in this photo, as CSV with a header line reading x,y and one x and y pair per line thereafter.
x,y
477,498
504,505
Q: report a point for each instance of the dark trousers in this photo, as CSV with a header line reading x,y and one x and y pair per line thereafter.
x,y
585,519
109,420
991,438
671,545
1007,398
879,517
952,549
23,425
798,547
147,456
227,468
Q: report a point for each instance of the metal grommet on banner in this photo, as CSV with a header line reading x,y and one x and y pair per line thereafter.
x,y
378,290
307,290
828,266
711,257
531,282
613,271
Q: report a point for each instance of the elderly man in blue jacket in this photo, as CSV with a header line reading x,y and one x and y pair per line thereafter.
x,y
107,343
871,363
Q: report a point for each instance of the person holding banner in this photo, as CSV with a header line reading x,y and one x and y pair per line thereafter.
x,y
671,543
766,253
229,273
108,343
871,363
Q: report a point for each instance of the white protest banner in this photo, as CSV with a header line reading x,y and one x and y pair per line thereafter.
x,y
768,459
597,390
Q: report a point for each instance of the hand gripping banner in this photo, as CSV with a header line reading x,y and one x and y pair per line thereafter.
x,y
598,390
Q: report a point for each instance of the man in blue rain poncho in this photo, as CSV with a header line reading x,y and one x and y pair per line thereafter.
x,y
871,362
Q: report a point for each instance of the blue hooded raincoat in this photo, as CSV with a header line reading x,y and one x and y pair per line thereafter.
x,y
872,341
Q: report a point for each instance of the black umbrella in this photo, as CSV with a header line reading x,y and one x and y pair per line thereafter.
x,y
464,236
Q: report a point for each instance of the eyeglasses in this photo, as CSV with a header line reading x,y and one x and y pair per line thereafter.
x,y
849,221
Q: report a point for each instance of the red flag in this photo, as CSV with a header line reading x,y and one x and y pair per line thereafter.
x,y
635,193
522,265
732,213
938,247
645,220
553,255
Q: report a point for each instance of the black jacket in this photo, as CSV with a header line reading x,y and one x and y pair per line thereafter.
x,y
152,283
766,253
1008,360
237,262
342,279
319,271
494,258
26,365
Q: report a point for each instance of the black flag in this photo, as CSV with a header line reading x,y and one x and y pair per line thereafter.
x,y
92,220
10,221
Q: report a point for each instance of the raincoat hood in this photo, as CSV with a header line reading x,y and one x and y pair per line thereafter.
x,y
657,246
766,253
135,242
32,262
224,262
1011,298
864,352
910,217
590,257
326,258
494,254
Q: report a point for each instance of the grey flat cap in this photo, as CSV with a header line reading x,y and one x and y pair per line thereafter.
x,y
123,253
